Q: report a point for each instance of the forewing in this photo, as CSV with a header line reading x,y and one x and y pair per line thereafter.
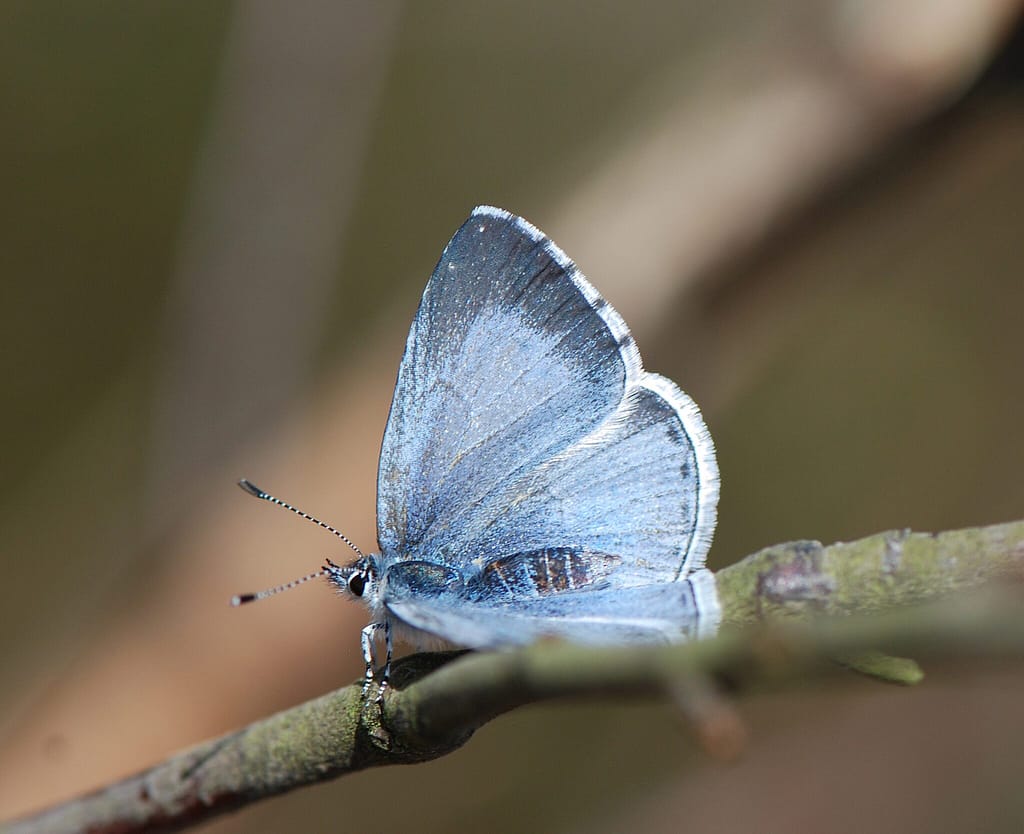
x,y
508,363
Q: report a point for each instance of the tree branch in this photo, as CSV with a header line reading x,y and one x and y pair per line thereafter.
x,y
898,567
438,700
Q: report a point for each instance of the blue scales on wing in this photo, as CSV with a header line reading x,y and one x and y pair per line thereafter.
x,y
523,423
506,364
630,488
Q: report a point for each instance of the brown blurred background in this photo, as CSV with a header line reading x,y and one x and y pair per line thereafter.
x,y
215,223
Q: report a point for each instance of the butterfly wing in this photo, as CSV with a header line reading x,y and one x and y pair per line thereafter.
x,y
635,487
662,613
523,419
506,364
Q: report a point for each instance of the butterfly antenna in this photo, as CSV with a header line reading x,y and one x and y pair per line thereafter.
x,y
255,491
241,599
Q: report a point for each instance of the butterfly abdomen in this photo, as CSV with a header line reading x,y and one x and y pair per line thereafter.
x,y
542,572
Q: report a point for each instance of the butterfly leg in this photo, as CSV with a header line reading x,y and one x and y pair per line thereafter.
x,y
385,678
367,639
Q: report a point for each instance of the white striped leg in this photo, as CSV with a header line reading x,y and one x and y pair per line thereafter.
x,y
385,678
368,639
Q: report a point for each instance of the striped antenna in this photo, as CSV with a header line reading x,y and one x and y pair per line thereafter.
x,y
255,491
241,599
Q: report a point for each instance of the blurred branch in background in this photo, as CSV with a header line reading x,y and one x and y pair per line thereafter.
x,y
262,238
433,711
767,133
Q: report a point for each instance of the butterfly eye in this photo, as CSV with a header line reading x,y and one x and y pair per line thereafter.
x,y
357,584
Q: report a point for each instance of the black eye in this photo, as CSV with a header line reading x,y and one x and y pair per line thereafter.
x,y
357,584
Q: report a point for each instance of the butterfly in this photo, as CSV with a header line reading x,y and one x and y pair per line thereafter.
x,y
534,480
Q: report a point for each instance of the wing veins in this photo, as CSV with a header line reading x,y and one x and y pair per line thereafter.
x,y
566,335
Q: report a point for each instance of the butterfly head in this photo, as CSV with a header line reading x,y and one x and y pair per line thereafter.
x,y
358,579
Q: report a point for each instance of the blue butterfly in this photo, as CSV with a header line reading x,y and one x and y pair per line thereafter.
x,y
534,479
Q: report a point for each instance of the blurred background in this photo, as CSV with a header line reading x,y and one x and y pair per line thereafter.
x,y
215,223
